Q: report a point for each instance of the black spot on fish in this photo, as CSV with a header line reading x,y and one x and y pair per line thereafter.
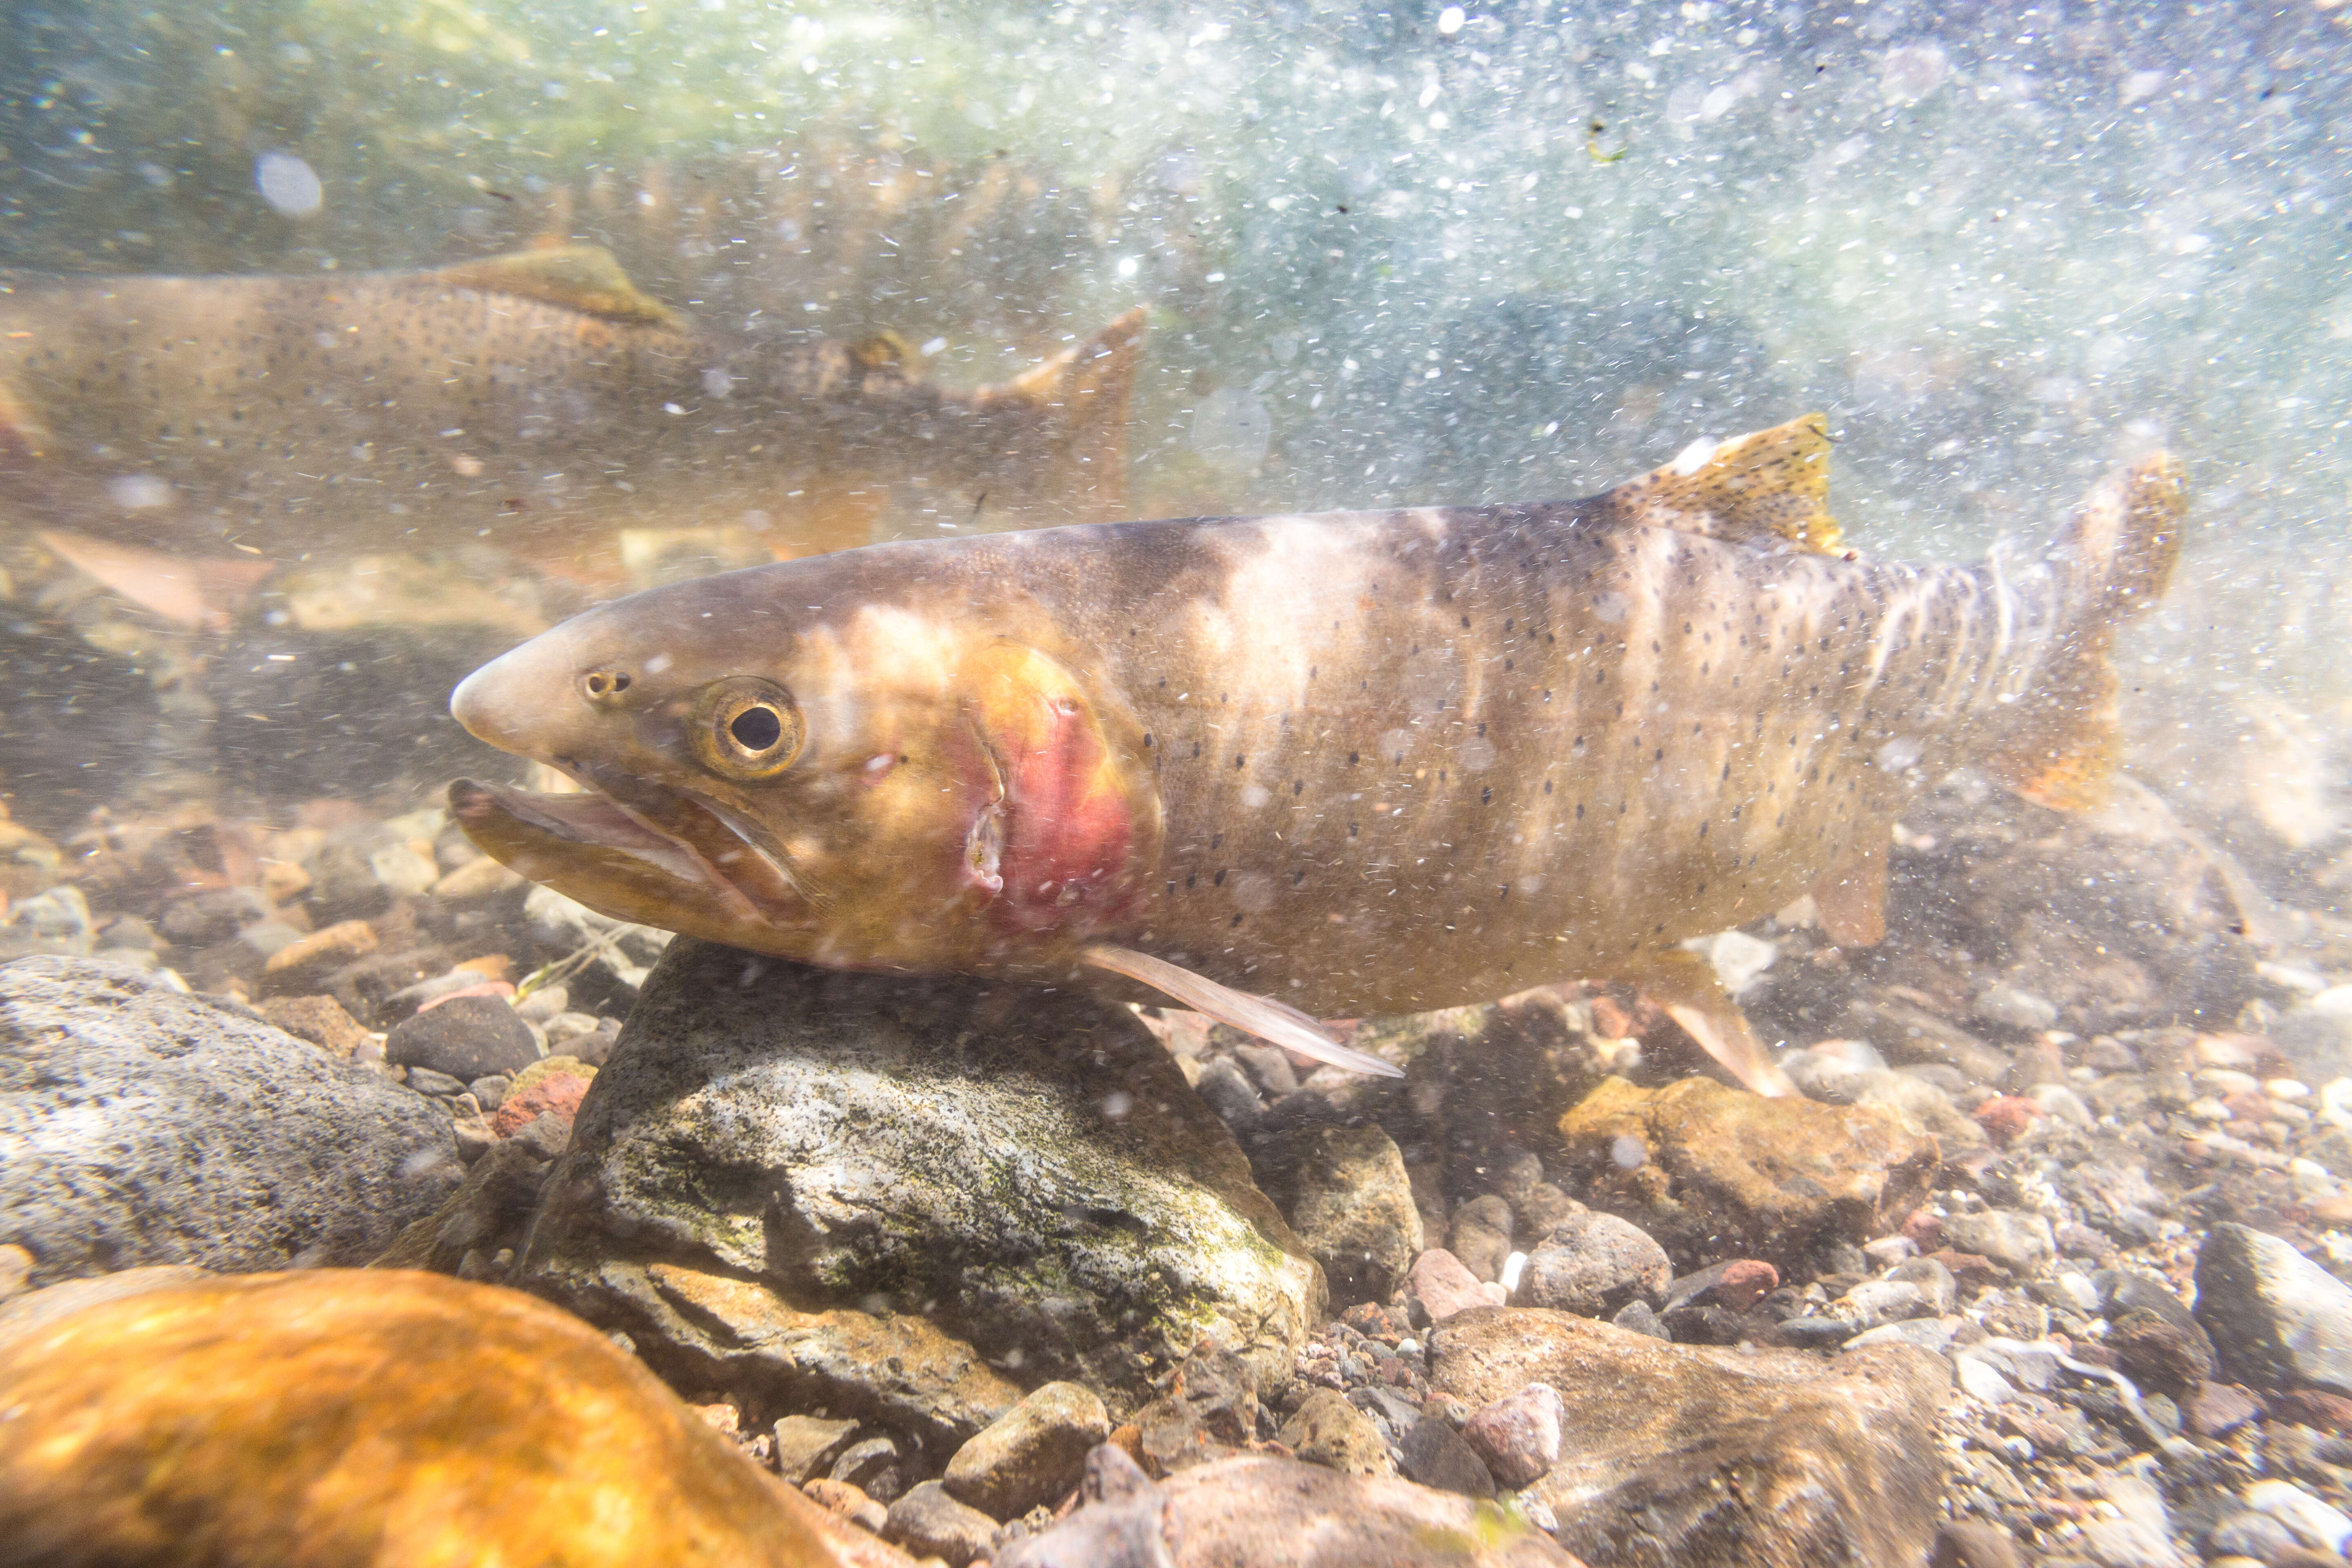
x,y
1486,797
1240,763
1546,787
1351,759
1298,786
1217,840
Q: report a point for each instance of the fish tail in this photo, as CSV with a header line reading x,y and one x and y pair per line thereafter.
x,y
2060,740
1085,392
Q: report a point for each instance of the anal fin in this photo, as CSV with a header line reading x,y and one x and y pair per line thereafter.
x,y
1767,486
201,594
1274,1022
1684,983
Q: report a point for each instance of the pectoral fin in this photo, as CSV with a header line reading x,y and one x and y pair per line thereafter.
x,y
199,593
1684,983
1763,487
582,278
1271,1021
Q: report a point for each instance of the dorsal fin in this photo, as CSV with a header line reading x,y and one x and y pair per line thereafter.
x,y
582,278
1766,486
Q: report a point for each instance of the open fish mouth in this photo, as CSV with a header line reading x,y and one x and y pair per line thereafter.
x,y
650,857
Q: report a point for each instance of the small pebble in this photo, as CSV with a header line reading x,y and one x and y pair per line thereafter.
x,y
1518,1437
340,942
2300,1511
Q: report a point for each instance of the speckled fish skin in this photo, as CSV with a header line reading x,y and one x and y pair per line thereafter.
x,y
1368,762
530,400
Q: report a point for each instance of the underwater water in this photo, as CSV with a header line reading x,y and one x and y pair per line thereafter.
x,y
345,348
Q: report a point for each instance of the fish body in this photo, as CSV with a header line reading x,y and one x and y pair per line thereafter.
x,y
537,400
1358,763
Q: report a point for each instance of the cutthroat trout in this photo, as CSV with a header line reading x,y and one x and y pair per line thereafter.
x,y
1276,767
531,400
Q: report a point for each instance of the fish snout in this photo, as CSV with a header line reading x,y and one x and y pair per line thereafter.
x,y
520,700
481,703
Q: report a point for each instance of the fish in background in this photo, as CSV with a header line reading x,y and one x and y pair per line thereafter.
x,y
1281,768
177,438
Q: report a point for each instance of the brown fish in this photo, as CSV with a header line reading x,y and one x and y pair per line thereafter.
x,y
1369,761
536,400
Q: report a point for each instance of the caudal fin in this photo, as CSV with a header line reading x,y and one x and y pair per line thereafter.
x,y
1081,466
2059,742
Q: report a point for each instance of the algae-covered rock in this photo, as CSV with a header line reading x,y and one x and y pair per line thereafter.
x,y
1026,1170
1695,1457
335,1418
1713,1173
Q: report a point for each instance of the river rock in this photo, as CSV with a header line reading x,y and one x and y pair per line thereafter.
x,y
2278,1319
1327,1430
1519,1434
2019,1240
485,1215
1480,1235
1702,1457
1595,1265
341,1420
2316,1034
930,1522
1032,1454
140,1124
1706,1170
1432,1453
619,953
1347,1197
1260,1512
1027,1167
465,1037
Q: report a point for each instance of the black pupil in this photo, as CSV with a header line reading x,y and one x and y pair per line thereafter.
x,y
757,729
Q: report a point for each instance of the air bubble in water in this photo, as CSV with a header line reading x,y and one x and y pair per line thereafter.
x,y
288,185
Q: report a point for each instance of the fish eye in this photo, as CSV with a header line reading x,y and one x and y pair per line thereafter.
x,y
747,727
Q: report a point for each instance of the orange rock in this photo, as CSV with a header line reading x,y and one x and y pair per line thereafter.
x,y
490,966
2006,1116
558,1093
338,1418
283,881
849,1500
344,939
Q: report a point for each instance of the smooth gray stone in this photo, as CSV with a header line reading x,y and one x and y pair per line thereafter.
x,y
140,1124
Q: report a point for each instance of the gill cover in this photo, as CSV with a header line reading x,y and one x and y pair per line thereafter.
x,y
1068,822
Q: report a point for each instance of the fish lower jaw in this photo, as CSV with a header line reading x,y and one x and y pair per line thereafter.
x,y
622,862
